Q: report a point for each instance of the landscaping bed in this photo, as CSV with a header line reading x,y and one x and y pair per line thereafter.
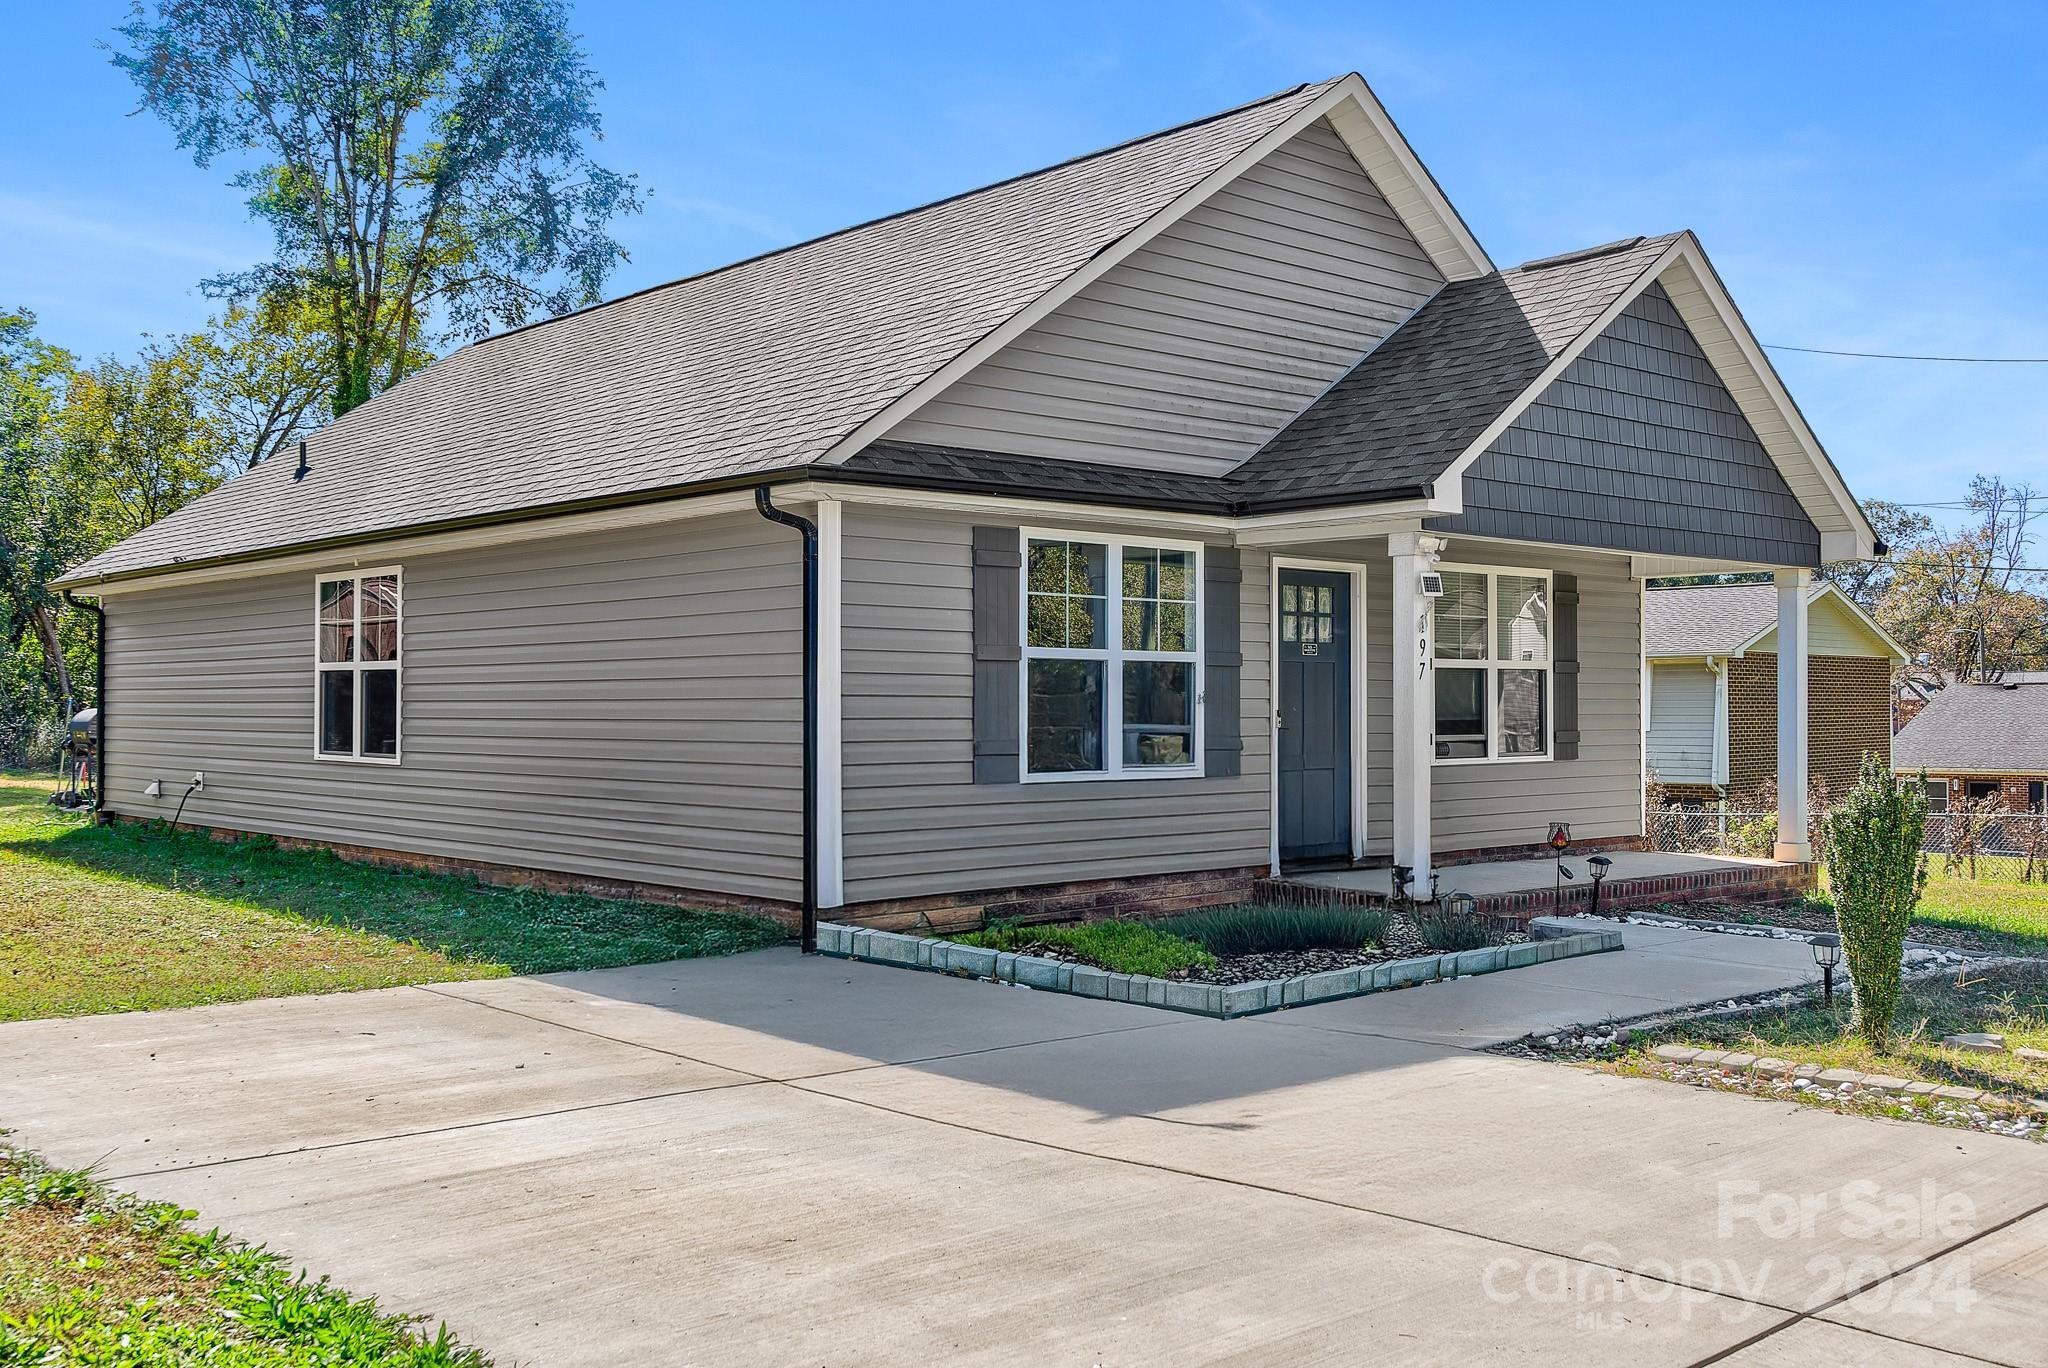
x,y
1174,962
1247,943
89,1275
1791,1046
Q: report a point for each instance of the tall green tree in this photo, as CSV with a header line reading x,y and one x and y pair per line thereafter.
x,y
423,164
1971,600
259,372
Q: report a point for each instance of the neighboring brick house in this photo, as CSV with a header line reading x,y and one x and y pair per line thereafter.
x,y
1982,741
1710,671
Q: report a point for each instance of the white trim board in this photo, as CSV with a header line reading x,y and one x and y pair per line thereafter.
x,y
1360,695
830,851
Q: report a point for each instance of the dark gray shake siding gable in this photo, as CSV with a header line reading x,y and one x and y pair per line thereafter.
x,y
623,704
1638,446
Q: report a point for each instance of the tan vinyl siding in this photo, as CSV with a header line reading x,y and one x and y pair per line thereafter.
x,y
1831,630
623,704
1510,804
1202,345
916,822
1681,734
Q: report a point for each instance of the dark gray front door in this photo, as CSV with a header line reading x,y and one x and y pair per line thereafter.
x,y
1315,714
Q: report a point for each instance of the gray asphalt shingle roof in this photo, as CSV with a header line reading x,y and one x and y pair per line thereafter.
x,y
1986,727
1708,619
1411,407
752,368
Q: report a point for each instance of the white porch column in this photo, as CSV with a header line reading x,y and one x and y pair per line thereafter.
x,y
1794,585
1414,717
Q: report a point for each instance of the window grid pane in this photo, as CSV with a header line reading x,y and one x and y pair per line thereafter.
x,y
1460,617
1523,611
1521,711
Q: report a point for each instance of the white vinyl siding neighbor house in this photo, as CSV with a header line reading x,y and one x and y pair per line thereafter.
x,y
1126,489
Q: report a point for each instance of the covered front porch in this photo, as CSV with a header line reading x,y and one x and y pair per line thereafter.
x,y
1439,697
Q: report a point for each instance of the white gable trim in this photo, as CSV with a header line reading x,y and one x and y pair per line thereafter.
x,y
1717,325
1394,170
1847,604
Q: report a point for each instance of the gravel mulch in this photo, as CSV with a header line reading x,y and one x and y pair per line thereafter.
x,y
1402,941
1800,917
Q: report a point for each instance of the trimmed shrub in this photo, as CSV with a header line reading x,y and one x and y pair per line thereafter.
x,y
1443,929
1871,846
1259,928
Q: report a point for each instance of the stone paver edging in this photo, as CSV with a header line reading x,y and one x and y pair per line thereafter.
x,y
1203,999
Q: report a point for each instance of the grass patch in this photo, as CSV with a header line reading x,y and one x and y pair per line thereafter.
x,y
128,917
1260,928
1122,947
2011,1000
93,1276
2011,913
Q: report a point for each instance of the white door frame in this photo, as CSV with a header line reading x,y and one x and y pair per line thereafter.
x,y
1356,570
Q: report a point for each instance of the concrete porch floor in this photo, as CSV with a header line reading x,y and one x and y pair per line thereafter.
x,y
1493,877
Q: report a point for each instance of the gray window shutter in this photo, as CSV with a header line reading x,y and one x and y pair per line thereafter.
x,y
1222,665
998,649
1564,654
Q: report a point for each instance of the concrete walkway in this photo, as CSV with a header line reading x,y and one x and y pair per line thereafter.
x,y
772,1159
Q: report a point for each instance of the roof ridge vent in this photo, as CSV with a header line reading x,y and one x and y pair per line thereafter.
x,y
1585,254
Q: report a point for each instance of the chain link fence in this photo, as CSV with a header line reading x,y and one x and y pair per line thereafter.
x,y
2009,847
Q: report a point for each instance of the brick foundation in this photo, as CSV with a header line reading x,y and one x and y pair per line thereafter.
x,y
1737,883
508,876
1144,895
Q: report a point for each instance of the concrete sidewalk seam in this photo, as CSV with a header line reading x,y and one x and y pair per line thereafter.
x,y
1269,1189
746,1079
1819,1312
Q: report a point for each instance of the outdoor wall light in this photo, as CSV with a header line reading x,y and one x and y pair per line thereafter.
x,y
1827,953
1598,866
1463,904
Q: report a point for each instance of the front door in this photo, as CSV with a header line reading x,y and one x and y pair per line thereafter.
x,y
1315,715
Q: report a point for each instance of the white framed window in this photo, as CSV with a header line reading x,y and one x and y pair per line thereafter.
x,y
1112,675
357,621
1492,665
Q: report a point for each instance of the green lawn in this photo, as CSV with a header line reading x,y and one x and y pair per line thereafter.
x,y
97,1278
127,917
2012,913
2012,1000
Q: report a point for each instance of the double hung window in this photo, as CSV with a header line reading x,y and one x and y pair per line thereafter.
x,y
1492,634
355,667
1111,678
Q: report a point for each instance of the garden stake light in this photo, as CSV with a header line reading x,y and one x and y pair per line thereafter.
x,y
1827,953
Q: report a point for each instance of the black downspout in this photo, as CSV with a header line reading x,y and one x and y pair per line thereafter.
x,y
809,530
99,701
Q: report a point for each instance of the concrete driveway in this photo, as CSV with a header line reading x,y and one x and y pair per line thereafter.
x,y
772,1159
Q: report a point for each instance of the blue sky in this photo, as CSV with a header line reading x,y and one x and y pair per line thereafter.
x,y
1877,183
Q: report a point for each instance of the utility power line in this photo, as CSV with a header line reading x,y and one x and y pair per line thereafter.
x,y
1905,356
